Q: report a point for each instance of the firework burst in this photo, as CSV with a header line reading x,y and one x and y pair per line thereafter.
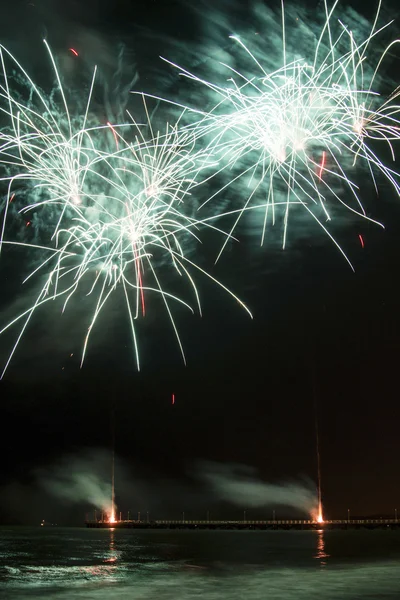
x,y
295,135
120,213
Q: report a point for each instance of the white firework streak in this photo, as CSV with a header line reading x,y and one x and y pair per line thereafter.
x,y
42,148
119,210
296,128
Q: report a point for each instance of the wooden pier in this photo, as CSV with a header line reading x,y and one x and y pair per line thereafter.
x,y
286,524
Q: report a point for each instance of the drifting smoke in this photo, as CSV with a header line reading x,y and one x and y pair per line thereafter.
x,y
240,485
80,479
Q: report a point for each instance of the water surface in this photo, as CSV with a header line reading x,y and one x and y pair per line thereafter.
x,y
58,563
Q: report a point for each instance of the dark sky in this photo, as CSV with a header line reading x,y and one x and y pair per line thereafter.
x,y
246,395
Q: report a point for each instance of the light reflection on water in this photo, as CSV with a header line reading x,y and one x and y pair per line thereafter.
x,y
113,564
321,555
113,554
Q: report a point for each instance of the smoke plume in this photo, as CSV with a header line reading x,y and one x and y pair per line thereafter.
x,y
240,485
83,478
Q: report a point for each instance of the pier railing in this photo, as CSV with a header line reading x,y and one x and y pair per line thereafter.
x,y
280,522
240,524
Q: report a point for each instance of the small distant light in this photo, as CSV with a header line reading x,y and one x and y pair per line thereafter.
x,y
28,223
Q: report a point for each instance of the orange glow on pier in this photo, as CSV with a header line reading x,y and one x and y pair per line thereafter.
x,y
317,514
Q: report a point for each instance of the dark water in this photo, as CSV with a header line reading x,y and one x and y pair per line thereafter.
x,y
106,565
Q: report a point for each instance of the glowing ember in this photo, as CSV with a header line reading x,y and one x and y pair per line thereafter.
x,y
317,515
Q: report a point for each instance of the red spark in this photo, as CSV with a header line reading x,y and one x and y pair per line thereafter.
x,y
173,398
138,262
114,133
360,237
12,197
28,223
142,292
74,51
322,165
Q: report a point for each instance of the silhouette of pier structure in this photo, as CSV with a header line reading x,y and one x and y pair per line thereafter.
x,y
283,524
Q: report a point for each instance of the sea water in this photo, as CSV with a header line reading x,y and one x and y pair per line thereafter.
x,y
94,564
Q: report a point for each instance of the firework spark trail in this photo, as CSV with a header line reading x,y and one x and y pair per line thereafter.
x,y
288,134
39,150
118,211
299,130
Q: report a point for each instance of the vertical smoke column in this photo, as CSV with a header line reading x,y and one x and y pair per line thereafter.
x,y
320,517
112,515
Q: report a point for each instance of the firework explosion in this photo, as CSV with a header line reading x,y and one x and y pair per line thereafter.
x,y
113,215
293,135
119,201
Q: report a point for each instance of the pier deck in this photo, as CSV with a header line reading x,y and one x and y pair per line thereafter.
x,y
250,525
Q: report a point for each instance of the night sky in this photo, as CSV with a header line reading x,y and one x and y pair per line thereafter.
x,y
321,336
